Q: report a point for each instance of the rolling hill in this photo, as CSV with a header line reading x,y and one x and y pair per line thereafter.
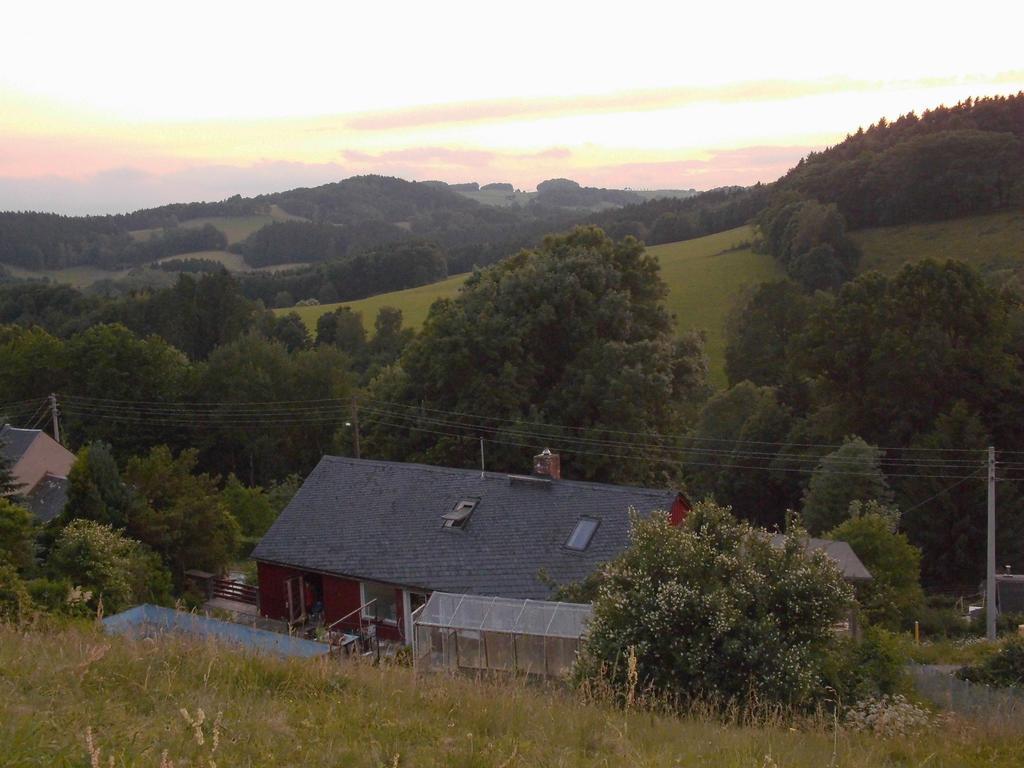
x,y
706,275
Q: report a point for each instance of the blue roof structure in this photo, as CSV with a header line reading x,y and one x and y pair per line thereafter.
x,y
152,620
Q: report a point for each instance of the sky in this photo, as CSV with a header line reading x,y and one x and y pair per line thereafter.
x,y
114,106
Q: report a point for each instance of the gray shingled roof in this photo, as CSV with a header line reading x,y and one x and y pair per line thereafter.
x,y
48,498
840,552
14,442
381,521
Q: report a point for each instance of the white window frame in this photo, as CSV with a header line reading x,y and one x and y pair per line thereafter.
x,y
368,611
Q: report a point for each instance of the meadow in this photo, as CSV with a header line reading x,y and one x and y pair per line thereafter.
x,y
705,276
72,696
994,241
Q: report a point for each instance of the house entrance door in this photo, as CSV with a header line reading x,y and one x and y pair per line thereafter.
x,y
295,590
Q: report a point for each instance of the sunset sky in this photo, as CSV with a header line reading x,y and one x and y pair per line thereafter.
x,y
107,107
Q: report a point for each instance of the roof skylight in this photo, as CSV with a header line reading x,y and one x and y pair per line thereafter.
x,y
581,535
460,514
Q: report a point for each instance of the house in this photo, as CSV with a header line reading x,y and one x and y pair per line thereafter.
x,y
839,552
360,531
40,467
371,540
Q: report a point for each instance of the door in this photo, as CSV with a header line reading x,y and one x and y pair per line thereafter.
x,y
295,599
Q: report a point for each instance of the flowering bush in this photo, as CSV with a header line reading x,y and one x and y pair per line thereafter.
x,y
888,716
712,610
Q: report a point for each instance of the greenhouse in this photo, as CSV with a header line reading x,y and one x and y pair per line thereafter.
x,y
473,632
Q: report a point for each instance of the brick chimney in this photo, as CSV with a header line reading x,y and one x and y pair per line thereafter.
x,y
547,464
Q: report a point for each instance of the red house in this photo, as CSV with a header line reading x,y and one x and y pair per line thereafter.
x,y
372,539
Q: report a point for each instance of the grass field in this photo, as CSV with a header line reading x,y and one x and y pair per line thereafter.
x,y
79,277
706,276
989,242
235,228
139,702
414,303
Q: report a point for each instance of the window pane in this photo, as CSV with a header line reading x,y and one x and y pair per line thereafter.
x,y
386,608
580,537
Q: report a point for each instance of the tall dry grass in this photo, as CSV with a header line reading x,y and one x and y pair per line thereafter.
x,y
71,696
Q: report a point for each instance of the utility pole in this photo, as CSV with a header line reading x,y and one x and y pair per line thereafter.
x,y
53,415
990,579
481,458
355,426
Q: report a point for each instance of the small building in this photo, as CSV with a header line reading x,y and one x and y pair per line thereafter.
x,y
369,541
1009,593
472,632
40,467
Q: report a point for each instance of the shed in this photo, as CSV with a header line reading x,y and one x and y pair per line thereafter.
x,y
475,632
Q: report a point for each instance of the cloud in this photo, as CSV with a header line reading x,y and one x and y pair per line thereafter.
x,y
743,166
641,101
122,189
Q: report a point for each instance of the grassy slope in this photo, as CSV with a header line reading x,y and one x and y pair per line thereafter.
x,y
57,683
414,303
78,277
992,241
703,275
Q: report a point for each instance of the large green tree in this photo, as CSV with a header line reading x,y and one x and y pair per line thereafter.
x,y
573,335
731,453
893,596
850,473
892,353
180,513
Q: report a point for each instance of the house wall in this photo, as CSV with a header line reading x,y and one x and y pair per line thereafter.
x,y
44,455
680,509
341,596
273,598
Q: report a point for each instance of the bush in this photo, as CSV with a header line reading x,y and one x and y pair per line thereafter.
x,y
15,601
711,610
1004,668
114,568
874,666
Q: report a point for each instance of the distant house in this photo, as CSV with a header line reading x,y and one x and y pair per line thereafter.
x,y
360,531
40,467
392,533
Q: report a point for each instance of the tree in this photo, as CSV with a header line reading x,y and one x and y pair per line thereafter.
x,y
180,514
109,362
894,595
95,489
574,335
850,473
890,356
8,485
114,568
344,329
252,508
17,536
731,424
761,330
712,610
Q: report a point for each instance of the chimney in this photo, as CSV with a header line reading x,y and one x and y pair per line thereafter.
x,y
547,464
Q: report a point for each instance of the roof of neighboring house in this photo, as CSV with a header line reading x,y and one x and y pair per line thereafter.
x,y
840,552
47,499
14,442
1010,593
382,521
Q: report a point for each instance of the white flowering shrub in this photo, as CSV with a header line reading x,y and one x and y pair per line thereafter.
x,y
711,610
888,716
